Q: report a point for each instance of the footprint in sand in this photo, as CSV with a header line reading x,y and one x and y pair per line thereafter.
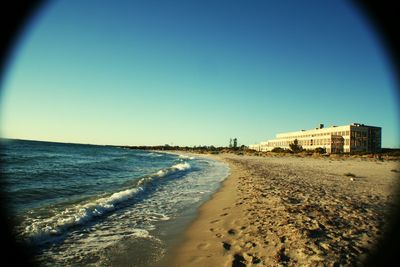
x,y
254,259
203,246
231,231
238,261
226,245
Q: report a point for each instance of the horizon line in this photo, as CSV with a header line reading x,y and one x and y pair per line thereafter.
x,y
72,143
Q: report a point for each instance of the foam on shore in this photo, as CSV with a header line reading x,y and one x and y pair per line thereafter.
x,y
40,230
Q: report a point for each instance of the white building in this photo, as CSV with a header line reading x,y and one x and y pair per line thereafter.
x,y
355,137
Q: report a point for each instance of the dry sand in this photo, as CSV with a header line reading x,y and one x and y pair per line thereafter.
x,y
291,211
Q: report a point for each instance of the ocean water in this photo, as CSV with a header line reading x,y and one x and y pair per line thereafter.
x,y
86,205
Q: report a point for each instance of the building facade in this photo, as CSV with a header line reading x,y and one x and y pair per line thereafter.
x,y
355,137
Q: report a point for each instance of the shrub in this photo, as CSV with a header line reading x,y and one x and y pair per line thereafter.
x,y
320,150
278,150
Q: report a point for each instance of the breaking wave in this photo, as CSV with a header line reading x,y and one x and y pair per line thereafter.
x,y
185,157
40,230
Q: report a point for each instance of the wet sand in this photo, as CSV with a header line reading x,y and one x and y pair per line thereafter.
x,y
292,211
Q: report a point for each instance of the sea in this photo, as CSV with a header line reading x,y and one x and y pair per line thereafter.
x,y
91,205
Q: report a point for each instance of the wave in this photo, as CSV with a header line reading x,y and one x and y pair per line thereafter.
x,y
185,157
156,154
149,154
39,230
181,166
79,214
177,167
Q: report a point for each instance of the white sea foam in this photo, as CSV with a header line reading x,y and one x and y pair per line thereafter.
x,y
39,229
185,157
94,244
155,154
154,216
177,167
161,173
181,166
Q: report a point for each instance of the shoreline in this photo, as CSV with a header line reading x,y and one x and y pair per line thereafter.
x,y
290,211
190,216
187,246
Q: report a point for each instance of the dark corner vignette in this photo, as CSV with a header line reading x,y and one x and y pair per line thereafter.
x,y
382,17
14,17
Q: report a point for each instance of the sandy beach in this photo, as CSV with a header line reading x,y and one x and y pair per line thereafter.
x,y
292,211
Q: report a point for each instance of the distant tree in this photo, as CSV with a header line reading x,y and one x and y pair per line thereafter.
x,y
295,147
235,143
230,142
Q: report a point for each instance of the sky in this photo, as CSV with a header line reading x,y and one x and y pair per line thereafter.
x,y
195,72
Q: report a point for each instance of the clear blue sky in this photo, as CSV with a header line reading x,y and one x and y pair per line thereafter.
x,y
195,72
